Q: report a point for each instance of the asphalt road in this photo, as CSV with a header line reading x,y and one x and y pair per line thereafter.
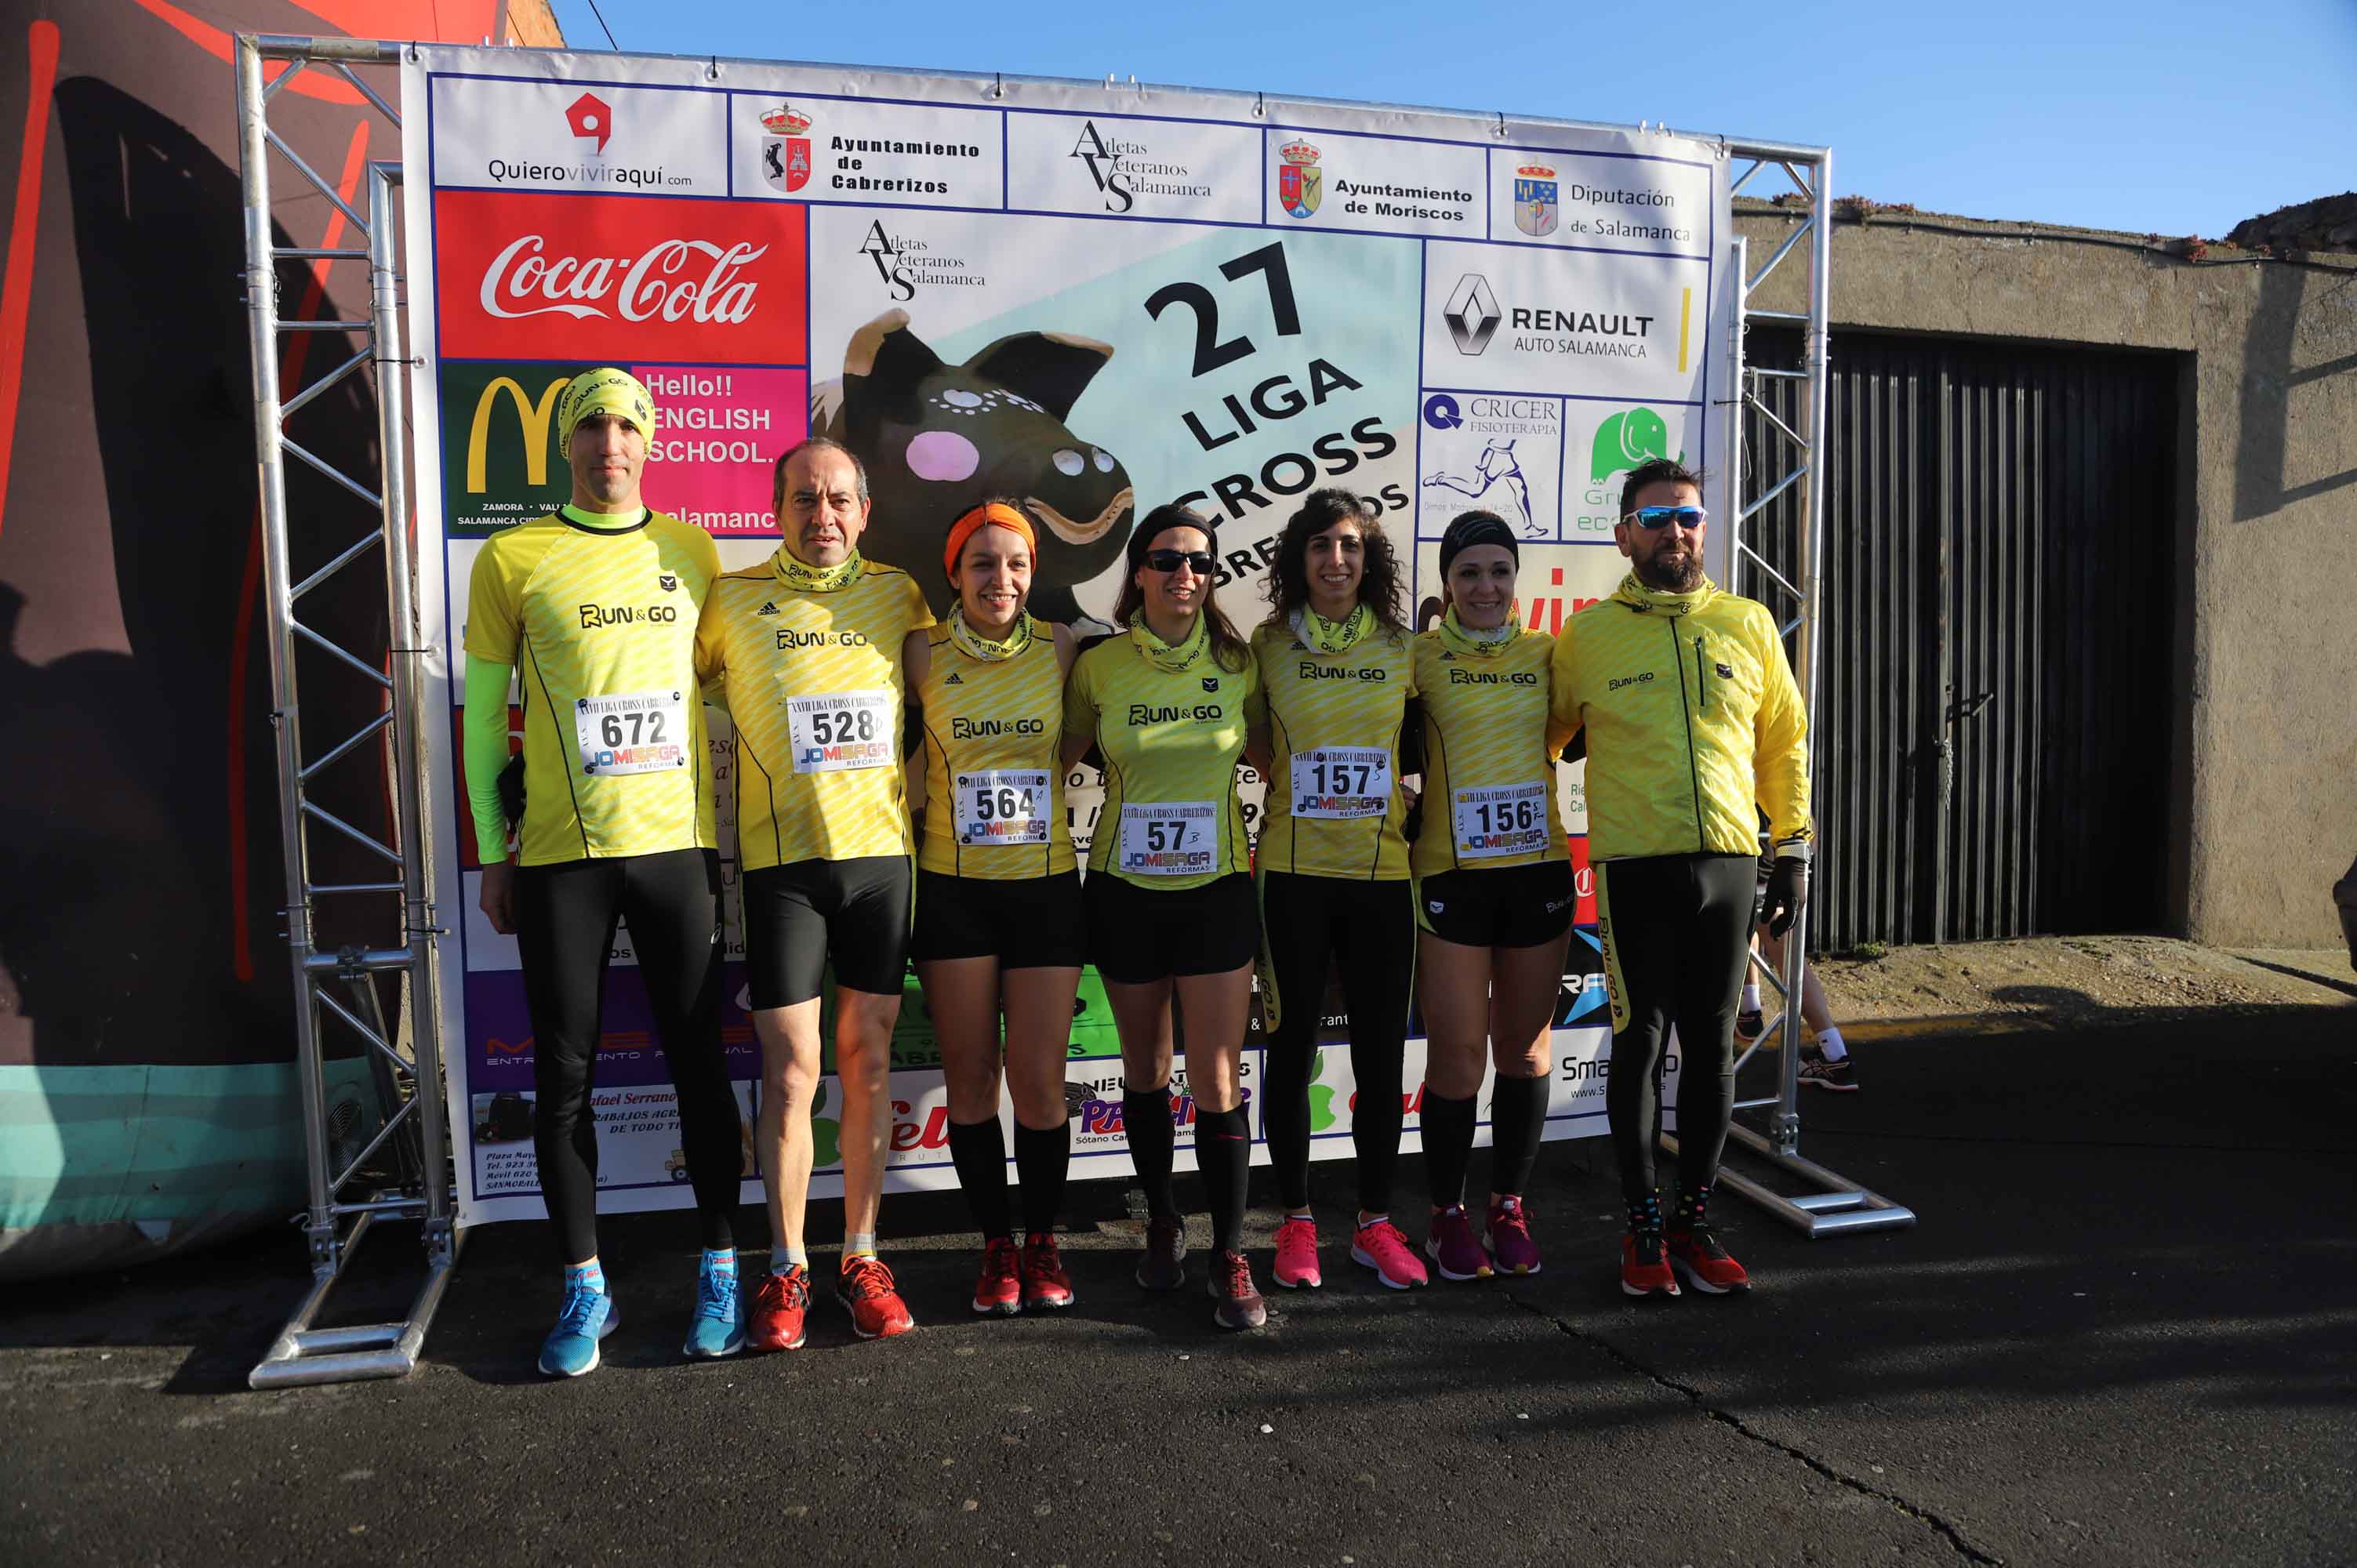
x,y
2124,1333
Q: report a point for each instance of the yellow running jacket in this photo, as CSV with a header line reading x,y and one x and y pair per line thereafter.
x,y
1691,715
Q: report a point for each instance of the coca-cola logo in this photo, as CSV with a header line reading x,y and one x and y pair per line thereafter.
x,y
674,280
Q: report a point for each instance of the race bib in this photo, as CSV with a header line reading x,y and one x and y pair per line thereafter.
x,y
839,730
1170,838
1341,782
1506,819
630,732
1002,805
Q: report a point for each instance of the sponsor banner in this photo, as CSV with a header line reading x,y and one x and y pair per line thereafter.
x,y
1532,320
1375,185
1651,206
799,147
1496,452
1583,874
562,135
1100,164
617,279
1008,288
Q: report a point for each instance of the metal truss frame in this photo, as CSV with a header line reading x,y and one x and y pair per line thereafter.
x,y
341,984
1791,457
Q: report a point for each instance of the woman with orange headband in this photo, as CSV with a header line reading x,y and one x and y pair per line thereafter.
x,y
999,899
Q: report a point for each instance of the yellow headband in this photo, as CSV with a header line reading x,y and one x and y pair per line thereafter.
x,y
604,391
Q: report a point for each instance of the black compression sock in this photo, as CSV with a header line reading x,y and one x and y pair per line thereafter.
x,y
1146,1117
979,1152
1518,1108
1224,1154
1448,1144
1645,1214
1042,1159
1692,1204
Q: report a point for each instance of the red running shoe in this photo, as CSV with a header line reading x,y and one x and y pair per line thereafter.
x,y
1510,1237
1704,1263
1297,1254
999,1292
1645,1266
779,1307
1044,1282
865,1288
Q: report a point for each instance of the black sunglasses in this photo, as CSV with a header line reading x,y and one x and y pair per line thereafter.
x,y
1167,560
1663,516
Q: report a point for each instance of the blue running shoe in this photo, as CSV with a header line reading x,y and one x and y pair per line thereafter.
x,y
718,1327
570,1347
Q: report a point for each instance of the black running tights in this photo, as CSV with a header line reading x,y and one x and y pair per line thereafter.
x,y
1368,931
1676,929
565,931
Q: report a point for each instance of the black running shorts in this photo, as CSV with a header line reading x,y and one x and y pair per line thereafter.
x,y
800,916
1137,935
1032,922
1512,906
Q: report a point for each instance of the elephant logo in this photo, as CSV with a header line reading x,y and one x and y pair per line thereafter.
x,y
937,439
1627,439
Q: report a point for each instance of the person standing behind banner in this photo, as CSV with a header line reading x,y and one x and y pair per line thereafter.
x,y
808,647
597,604
1336,674
1693,724
1494,894
999,899
1168,897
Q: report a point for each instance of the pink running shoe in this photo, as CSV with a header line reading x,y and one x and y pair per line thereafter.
x,y
1297,1254
1454,1248
1510,1237
1380,1246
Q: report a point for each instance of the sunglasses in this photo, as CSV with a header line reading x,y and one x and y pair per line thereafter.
x,y
1650,517
1169,561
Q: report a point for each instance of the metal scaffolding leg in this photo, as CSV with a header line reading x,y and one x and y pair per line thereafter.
x,y
1794,456
341,984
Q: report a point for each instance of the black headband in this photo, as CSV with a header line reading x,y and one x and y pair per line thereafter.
x,y
1477,529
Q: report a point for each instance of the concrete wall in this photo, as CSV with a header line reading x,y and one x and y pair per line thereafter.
x,y
2264,797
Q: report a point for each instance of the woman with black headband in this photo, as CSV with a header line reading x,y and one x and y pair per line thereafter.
x,y
998,899
1168,897
1494,894
1336,672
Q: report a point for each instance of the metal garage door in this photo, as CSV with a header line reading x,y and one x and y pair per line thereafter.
x,y
1997,678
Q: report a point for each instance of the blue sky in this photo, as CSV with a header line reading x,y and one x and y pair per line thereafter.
x,y
2164,116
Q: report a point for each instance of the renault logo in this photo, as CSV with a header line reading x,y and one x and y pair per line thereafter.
x,y
1472,314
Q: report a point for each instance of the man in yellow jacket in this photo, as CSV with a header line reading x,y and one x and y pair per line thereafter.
x,y
1693,724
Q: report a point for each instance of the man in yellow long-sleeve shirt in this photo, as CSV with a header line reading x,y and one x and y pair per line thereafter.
x,y
1692,724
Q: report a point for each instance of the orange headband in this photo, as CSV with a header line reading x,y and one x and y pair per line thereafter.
x,y
991,513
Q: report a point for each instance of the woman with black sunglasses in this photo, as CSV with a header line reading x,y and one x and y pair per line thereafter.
x,y
1493,895
1168,894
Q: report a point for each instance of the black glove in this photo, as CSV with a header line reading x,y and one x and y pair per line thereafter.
x,y
1788,890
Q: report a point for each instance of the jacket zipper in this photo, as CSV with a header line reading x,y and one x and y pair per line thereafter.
x,y
1693,777
1701,689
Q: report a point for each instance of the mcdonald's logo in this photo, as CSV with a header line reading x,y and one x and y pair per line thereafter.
x,y
533,417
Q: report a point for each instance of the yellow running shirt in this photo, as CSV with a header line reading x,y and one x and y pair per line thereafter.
x,y
812,680
994,785
1170,739
600,626
1334,805
1488,755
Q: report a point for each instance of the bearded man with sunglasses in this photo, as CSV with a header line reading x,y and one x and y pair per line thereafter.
x,y
1693,724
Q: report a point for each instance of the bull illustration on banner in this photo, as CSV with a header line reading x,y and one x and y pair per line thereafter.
x,y
937,439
